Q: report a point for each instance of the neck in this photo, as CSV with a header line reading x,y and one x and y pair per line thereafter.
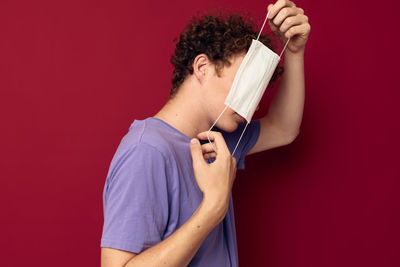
x,y
185,113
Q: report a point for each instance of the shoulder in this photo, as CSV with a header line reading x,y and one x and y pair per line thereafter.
x,y
146,138
142,150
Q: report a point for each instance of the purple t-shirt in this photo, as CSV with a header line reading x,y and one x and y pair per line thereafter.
x,y
151,190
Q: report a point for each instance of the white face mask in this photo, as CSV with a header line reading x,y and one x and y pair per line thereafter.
x,y
251,80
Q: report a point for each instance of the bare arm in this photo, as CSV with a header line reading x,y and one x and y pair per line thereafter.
x,y
180,247
282,123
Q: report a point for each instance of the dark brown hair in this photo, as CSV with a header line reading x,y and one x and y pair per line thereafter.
x,y
219,37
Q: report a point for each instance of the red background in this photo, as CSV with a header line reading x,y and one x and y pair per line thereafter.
x,y
75,74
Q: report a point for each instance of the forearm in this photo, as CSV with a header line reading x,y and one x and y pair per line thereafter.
x,y
180,247
286,108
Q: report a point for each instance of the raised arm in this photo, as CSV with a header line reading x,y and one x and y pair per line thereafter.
x,y
282,123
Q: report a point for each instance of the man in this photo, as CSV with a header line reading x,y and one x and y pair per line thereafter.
x,y
164,205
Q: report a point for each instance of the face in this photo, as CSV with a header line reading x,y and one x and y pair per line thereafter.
x,y
218,90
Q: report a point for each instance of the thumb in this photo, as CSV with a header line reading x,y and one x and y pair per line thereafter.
x,y
195,150
269,10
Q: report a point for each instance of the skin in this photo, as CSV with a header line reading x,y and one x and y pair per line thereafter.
x,y
192,111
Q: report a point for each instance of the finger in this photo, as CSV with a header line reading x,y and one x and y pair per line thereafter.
x,y
219,141
292,21
234,167
195,151
269,10
206,148
278,6
302,29
283,14
234,161
210,155
273,27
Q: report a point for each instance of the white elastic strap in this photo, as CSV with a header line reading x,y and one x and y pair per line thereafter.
x,y
208,132
240,139
263,28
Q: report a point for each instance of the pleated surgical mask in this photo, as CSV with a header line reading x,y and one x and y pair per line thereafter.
x,y
250,81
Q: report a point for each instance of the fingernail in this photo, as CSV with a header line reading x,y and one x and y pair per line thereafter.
x,y
193,141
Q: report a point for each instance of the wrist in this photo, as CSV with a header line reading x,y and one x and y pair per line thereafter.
x,y
214,209
298,54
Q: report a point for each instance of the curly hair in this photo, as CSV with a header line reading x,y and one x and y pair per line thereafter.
x,y
219,37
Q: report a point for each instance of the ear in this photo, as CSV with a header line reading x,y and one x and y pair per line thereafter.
x,y
201,67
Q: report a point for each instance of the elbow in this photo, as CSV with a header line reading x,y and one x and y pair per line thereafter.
x,y
292,137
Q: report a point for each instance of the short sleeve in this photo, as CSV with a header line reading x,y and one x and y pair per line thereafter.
x,y
247,142
135,199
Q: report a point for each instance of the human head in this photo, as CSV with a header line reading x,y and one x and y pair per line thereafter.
x,y
221,42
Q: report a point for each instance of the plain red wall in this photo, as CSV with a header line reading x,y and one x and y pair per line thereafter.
x,y
75,74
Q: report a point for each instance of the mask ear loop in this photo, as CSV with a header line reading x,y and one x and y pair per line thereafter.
x,y
208,132
239,139
263,28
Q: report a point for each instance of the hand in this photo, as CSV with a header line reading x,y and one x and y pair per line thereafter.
x,y
216,179
288,21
